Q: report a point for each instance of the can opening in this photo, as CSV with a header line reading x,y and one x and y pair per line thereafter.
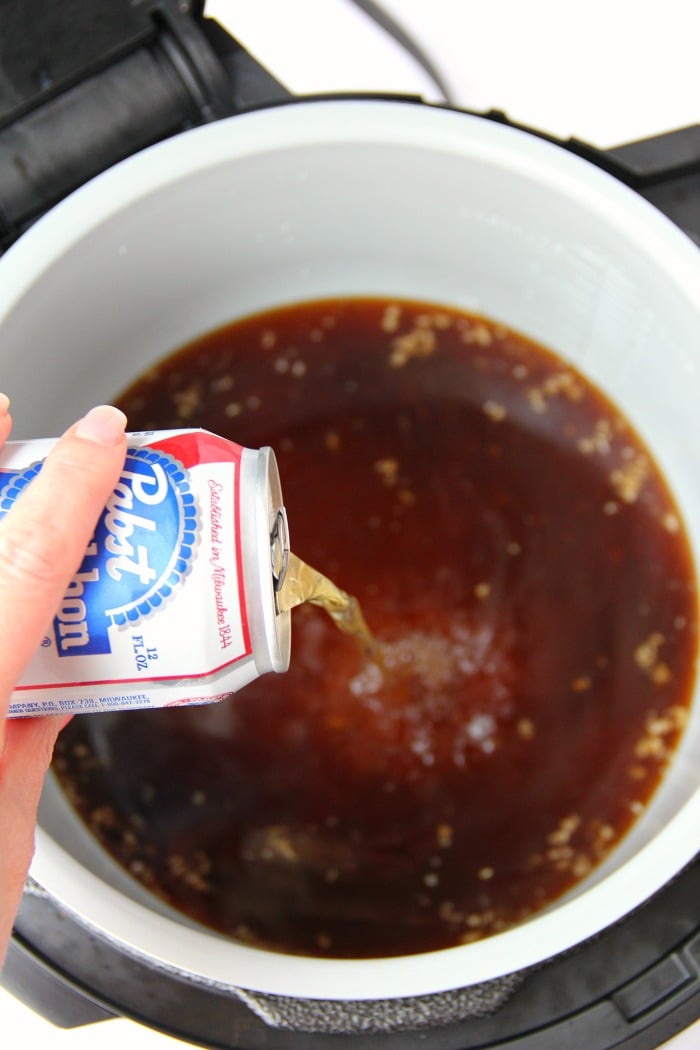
x,y
279,548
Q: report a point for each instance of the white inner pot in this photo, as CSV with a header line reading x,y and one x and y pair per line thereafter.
x,y
361,197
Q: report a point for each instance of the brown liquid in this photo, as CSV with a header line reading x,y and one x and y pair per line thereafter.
x,y
530,587
303,584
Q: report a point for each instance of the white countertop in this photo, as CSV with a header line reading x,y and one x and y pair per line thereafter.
x,y
608,72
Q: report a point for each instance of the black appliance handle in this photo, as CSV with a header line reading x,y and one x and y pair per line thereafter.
x,y
665,169
87,83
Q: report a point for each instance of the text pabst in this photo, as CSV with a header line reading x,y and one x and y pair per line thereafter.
x,y
123,554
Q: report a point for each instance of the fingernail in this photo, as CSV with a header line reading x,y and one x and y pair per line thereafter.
x,y
104,425
4,404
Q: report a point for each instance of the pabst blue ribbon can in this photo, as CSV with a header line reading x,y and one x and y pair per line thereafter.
x,y
175,600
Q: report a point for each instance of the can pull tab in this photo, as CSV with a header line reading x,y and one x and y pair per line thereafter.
x,y
279,548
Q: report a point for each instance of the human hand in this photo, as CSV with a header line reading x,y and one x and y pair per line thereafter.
x,y
42,543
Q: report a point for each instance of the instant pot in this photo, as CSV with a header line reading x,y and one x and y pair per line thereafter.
x,y
156,182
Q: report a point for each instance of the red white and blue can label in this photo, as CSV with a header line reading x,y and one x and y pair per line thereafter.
x,y
158,612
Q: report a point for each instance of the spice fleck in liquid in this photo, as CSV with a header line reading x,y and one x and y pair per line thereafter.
x,y
528,581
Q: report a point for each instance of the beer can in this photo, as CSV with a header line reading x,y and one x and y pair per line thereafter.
x,y
175,600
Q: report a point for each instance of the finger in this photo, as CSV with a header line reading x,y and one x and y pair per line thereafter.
x,y
5,419
28,749
44,537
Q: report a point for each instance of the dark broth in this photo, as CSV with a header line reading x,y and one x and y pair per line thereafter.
x,y
521,563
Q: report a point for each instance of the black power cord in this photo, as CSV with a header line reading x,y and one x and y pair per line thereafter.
x,y
390,26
